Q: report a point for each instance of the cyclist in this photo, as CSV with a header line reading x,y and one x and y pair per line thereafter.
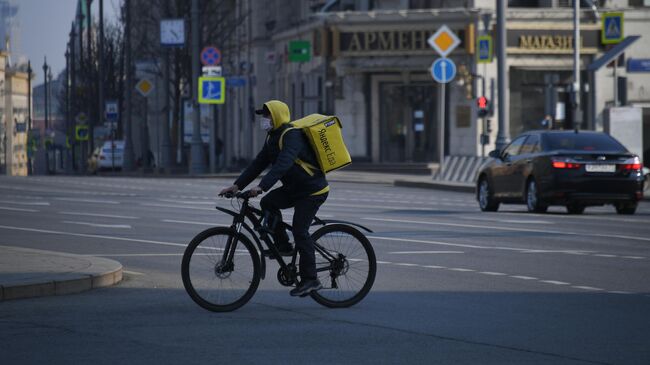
x,y
303,188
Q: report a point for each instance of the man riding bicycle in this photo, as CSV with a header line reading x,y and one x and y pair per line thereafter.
x,y
303,188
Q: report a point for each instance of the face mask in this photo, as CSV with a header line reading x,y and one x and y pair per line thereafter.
x,y
265,124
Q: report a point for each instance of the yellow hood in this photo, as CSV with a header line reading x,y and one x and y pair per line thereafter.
x,y
279,113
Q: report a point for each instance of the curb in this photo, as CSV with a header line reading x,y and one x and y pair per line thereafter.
x,y
99,273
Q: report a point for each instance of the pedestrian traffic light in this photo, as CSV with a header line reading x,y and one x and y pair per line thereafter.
x,y
483,105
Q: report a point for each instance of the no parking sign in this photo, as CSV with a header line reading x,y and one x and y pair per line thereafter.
x,y
210,56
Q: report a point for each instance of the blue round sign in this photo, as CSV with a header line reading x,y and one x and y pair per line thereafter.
x,y
443,70
210,56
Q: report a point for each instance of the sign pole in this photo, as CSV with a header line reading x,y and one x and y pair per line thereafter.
x,y
198,162
441,103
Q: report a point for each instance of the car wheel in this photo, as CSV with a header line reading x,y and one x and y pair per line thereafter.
x,y
575,208
626,208
533,202
485,200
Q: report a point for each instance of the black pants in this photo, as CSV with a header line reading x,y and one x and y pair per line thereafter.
x,y
305,210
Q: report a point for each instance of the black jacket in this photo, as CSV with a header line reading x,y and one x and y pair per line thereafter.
x,y
294,178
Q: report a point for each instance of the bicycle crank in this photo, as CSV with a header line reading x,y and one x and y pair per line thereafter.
x,y
287,277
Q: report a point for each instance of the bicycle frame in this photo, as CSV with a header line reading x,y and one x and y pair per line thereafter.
x,y
252,214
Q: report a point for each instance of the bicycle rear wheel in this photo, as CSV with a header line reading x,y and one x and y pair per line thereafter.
x,y
346,265
214,280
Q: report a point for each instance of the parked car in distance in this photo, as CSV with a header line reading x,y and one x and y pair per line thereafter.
x,y
111,155
571,168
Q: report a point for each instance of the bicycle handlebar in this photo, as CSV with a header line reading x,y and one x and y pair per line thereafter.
x,y
239,195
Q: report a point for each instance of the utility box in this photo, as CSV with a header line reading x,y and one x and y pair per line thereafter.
x,y
626,125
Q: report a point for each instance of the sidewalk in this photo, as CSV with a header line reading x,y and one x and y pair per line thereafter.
x,y
28,273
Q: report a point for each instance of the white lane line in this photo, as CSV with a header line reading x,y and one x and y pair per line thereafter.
x,y
633,257
175,206
460,269
424,252
88,200
590,288
447,244
384,262
554,282
522,277
187,201
604,255
491,273
406,264
135,254
100,215
435,267
126,226
20,209
517,221
132,272
23,203
195,223
510,229
93,236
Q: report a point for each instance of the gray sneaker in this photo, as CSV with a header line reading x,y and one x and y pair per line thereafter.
x,y
306,287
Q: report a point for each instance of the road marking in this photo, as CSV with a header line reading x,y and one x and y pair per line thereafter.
x,y
460,269
20,209
591,288
135,254
522,277
174,206
132,272
604,255
509,229
427,252
384,262
633,257
621,292
23,203
492,273
99,225
88,200
523,221
554,282
435,267
186,201
94,236
406,264
190,222
100,215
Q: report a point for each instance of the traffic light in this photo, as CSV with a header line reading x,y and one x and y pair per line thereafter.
x,y
483,105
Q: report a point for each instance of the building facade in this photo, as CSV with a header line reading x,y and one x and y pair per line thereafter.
x,y
13,119
370,65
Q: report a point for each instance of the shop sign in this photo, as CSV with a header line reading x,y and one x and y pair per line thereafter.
x,y
551,41
384,42
638,65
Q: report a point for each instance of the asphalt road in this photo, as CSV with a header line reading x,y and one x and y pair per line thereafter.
x,y
454,285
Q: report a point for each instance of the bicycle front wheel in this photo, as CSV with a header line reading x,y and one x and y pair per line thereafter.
x,y
346,265
220,269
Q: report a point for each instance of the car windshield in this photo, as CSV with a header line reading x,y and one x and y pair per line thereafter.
x,y
582,142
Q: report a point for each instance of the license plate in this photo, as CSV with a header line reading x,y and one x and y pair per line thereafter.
x,y
600,168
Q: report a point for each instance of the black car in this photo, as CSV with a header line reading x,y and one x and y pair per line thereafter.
x,y
571,168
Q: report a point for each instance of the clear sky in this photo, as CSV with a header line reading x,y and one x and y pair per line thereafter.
x,y
43,27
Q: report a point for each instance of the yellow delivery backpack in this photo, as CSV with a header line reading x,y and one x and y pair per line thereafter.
x,y
324,135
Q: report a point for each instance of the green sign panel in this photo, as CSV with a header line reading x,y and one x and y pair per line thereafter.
x,y
299,51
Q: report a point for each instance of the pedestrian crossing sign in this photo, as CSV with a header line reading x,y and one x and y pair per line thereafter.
x,y
484,49
212,90
611,28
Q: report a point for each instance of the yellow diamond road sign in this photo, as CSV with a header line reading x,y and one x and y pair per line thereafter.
x,y
444,41
144,87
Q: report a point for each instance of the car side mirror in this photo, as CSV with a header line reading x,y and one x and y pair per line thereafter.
x,y
495,154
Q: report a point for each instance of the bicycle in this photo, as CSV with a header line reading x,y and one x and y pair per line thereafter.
x,y
222,266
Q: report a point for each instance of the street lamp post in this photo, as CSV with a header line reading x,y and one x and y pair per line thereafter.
x,y
502,74
47,154
29,115
198,161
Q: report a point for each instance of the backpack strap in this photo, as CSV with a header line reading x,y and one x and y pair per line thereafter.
x,y
309,168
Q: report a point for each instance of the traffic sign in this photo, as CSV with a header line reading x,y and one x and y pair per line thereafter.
x,y
638,65
81,133
443,70
611,31
210,56
81,118
236,81
144,87
111,109
484,49
212,90
172,32
444,41
299,51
